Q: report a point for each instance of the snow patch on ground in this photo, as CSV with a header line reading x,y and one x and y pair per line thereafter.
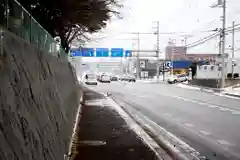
x,y
187,86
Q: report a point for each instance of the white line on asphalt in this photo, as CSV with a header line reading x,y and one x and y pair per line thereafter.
x,y
223,142
223,95
94,102
212,106
167,114
189,124
205,104
224,109
143,96
205,133
235,112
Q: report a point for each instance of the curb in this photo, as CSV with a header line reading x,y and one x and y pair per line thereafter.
x,y
72,150
204,89
234,95
138,130
172,145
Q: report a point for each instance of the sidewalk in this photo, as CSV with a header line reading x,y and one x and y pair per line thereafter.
x,y
230,91
105,135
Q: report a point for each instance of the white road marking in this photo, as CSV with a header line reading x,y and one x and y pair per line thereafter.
x,y
224,109
236,112
206,104
213,106
94,102
189,124
143,96
223,142
205,133
167,114
228,96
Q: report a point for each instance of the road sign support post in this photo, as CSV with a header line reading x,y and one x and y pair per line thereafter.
x,y
158,59
233,46
138,62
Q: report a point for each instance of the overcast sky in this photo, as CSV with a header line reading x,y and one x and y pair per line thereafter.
x,y
191,16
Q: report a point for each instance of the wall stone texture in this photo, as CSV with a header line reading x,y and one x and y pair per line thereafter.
x,y
39,96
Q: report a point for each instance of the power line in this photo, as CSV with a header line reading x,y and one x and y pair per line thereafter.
x,y
207,38
168,33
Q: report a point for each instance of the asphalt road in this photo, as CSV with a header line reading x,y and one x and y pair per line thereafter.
x,y
209,123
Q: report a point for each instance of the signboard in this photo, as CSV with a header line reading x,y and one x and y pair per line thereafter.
x,y
142,64
84,52
76,52
168,64
87,52
128,53
116,52
102,52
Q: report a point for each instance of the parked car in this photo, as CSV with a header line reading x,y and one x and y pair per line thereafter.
x,y
177,78
91,79
114,78
105,78
129,78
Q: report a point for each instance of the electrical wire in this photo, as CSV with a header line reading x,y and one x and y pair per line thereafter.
x,y
207,38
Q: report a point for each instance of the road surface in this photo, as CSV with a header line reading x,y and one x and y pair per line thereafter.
x,y
209,123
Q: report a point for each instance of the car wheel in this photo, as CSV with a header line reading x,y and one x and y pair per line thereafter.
x,y
175,81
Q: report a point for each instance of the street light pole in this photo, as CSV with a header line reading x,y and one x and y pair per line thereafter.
x,y
158,58
233,46
223,44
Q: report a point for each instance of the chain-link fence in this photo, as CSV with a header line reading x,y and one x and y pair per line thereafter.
x,y
15,18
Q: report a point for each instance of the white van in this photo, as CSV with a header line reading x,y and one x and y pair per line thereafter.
x,y
105,78
91,79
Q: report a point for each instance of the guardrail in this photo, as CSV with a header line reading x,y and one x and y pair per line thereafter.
x,y
16,19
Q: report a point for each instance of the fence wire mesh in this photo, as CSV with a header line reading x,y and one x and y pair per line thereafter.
x,y
15,18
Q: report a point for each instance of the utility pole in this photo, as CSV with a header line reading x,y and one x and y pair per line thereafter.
x,y
138,62
233,46
223,44
158,58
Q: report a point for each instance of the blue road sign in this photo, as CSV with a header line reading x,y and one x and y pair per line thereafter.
x,y
76,52
87,52
116,52
102,52
168,64
128,53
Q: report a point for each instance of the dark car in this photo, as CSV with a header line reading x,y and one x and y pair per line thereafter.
x,y
114,78
130,78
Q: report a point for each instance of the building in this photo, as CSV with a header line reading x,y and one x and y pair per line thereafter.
x,y
180,53
214,71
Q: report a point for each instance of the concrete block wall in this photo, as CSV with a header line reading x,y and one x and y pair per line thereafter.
x,y
39,97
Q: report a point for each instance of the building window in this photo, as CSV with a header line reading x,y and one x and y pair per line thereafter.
x,y
212,68
219,68
205,67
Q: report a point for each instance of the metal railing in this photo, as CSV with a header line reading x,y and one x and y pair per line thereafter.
x,y
16,19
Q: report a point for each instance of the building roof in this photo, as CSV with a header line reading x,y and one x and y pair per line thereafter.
x,y
192,56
